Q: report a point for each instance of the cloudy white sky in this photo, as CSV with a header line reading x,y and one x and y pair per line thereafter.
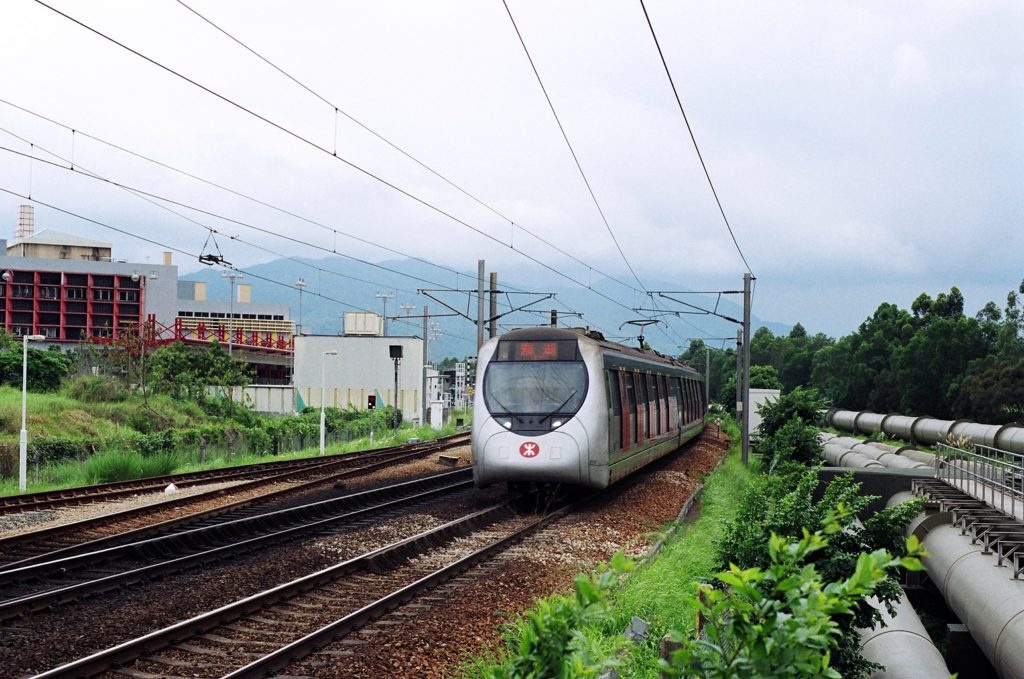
x,y
863,151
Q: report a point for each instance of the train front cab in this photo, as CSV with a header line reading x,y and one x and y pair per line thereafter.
x,y
533,396
651,412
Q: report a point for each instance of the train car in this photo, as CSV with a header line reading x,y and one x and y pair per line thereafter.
x,y
567,406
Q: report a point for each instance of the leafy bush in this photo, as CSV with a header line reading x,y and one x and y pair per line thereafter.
x,y
782,620
807,405
55,449
547,643
783,505
157,443
792,442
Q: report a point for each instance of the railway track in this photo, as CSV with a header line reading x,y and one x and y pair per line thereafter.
x,y
272,630
276,469
44,583
95,533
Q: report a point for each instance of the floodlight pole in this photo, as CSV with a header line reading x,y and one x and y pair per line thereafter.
x,y
23,442
323,397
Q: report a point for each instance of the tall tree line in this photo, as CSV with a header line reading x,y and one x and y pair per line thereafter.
x,y
931,359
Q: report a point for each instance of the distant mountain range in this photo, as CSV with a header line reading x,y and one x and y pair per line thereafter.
x,y
326,295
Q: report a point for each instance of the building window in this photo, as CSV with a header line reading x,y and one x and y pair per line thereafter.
x,y
77,279
21,329
75,293
50,333
128,295
103,281
21,291
102,332
49,292
103,295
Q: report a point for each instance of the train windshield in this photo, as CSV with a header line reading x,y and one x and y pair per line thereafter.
x,y
535,387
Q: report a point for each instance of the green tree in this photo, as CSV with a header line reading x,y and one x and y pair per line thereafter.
x,y
185,372
46,367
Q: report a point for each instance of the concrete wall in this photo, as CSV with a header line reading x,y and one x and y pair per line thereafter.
x,y
362,367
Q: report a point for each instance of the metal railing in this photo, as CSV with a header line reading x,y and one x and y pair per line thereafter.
x,y
993,476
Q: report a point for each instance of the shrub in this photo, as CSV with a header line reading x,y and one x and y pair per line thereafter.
x,y
547,643
154,444
55,449
781,620
794,441
806,405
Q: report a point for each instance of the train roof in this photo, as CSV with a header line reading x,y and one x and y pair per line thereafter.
x,y
549,333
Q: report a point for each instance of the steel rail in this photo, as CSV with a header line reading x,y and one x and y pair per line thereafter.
x,y
420,491
395,457
149,643
107,491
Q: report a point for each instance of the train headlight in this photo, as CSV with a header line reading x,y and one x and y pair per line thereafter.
x,y
556,424
507,424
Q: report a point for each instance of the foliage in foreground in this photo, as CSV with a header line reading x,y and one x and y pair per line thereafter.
x,y
781,621
547,641
783,505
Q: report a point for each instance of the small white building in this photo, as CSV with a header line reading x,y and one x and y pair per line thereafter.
x,y
362,367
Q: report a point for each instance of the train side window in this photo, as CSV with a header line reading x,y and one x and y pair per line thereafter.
x,y
686,400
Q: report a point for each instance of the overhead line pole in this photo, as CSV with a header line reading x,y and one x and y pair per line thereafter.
x,y
746,367
492,330
479,305
423,387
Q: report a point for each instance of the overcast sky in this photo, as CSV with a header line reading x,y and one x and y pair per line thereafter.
x,y
863,151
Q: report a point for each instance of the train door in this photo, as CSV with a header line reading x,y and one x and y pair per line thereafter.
x,y
615,424
677,395
630,421
642,409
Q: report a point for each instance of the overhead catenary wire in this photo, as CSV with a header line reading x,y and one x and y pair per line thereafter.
x,y
693,138
187,253
583,175
320,148
572,151
253,199
154,198
337,110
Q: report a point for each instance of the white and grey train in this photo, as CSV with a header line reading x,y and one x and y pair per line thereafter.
x,y
567,406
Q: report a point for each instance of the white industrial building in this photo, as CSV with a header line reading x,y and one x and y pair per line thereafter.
x,y
362,367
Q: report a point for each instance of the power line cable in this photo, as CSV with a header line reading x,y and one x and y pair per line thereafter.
x,y
428,168
572,151
693,138
193,255
316,146
252,199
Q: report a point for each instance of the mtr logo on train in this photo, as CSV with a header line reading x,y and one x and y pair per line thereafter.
x,y
529,449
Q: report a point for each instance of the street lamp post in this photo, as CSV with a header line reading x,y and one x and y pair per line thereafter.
x,y
385,296
301,285
23,445
232,277
323,397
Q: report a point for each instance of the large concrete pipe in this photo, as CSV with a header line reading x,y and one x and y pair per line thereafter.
x,y
982,595
868,423
887,457
929,430
902,645
841,456
909,452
